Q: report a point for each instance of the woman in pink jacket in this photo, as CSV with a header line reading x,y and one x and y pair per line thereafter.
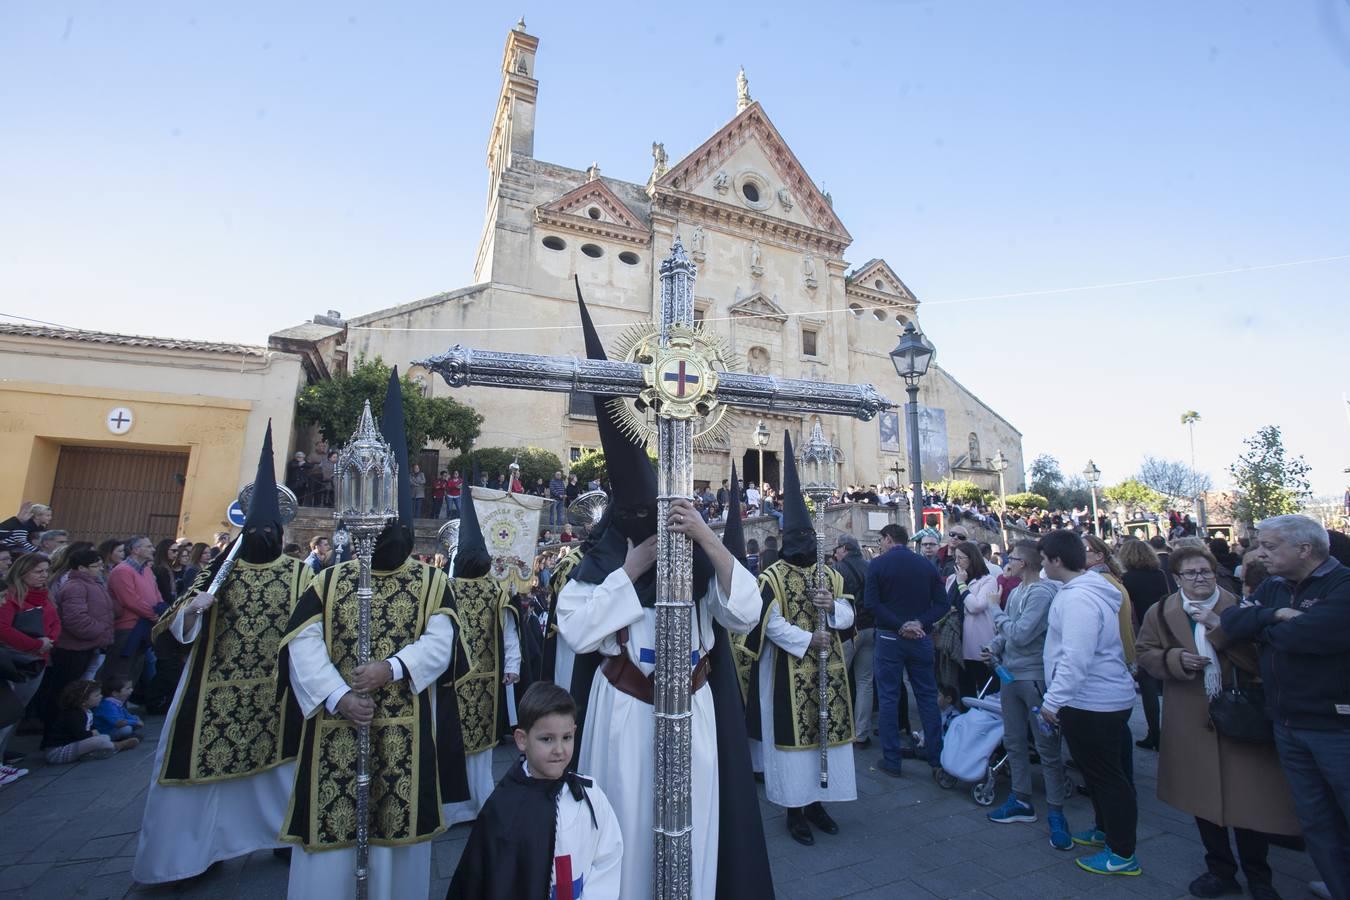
x,y
974,590
87,614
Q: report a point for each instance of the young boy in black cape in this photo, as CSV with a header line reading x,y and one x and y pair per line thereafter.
x,y
544,827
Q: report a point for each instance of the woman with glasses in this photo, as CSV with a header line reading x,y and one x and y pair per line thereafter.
x,y
1223,783
973,592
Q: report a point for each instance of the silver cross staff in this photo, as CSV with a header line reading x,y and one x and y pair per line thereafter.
x,y
678,382
817,459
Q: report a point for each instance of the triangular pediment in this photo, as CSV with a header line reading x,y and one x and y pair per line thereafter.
x,y
759,306
593,208
876,276
750,149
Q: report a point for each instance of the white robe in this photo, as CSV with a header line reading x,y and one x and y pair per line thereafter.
x,y
479,765
396,873
187,827
792,777
617,739
595,850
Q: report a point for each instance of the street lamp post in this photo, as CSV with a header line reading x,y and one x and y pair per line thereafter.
x,y
1093,475
761,436
912,357
1000,465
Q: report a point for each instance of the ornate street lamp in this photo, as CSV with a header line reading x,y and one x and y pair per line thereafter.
x,y
367,500
761,436
1093,475
912,357
1000,465
817,458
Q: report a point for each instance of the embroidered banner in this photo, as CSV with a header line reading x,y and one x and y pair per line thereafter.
x,y
510,524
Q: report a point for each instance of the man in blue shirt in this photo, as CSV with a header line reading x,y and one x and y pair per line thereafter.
x,y
905,594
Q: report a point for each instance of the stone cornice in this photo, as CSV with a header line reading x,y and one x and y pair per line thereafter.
x,y
683,206
625,226
593,227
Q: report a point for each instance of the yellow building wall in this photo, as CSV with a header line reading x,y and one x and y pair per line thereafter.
x,y
38,419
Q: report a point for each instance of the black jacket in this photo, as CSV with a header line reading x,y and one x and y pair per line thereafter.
x,y
854,572
1305,661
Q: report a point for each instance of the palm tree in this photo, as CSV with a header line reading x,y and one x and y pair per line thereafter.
x,y
1189,418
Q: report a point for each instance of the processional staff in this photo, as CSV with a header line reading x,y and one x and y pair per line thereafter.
x,y
670,369
817,458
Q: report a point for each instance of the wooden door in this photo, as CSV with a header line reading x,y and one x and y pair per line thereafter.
x,y
103,492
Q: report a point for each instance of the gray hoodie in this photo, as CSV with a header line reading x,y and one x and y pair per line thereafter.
x,y
1019,630
1084,659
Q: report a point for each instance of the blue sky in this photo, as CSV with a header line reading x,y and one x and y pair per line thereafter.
x,y
224,170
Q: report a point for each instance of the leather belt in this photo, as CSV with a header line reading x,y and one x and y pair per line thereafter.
x,y
625,675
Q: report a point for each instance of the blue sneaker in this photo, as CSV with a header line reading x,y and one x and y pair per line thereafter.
x,y
1108,863
1090,838
1059,831
1013,810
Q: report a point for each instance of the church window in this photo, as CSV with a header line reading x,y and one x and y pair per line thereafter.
x,y
592,250
581,406
856,309
751,192
809,336
901,320
879,314
880,285
628,258
699,313
593,212
553,242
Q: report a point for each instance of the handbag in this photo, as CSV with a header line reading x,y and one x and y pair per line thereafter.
x,y
1238,712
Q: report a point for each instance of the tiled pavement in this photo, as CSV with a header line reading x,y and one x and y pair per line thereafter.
x,y
70,831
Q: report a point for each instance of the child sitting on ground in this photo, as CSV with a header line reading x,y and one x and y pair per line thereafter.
x,y
111,717
544,828
72,736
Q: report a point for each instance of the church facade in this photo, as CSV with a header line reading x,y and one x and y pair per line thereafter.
x,y
773,284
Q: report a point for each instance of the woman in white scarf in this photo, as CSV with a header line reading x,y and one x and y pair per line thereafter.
x,y
1223,783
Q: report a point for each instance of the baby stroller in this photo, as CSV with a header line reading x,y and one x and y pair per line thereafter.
x,y
972,748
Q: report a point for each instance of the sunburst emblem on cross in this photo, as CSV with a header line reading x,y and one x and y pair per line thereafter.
x,y
680,381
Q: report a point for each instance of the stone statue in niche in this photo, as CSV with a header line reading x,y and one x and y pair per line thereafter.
x,y
785,199
698,244
809,271
721,182
756,260
757,360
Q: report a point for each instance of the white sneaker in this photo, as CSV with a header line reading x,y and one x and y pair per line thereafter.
x,y
9,774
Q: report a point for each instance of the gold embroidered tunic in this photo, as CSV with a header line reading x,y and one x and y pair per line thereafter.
x,y
232,722
796,691
480,603
405,797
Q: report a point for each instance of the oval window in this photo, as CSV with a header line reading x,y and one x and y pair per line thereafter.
x,y
592,250
628,257
750,191
553,242
593,212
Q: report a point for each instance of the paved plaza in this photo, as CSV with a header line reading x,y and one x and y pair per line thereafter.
x,y
70,831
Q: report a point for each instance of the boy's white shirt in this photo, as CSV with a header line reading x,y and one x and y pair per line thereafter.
x,y
596,850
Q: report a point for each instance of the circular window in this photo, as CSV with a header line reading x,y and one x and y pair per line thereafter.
x,y
880,285
878,314
754,189
751,191
856,310
553,242
592,250
593,212
628,257
901,320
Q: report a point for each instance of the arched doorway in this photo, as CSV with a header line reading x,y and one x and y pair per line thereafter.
x,y
750,472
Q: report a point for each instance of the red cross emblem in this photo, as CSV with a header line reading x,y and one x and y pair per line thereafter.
x,y
681,379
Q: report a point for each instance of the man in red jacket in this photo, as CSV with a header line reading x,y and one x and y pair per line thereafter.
x,y
136,596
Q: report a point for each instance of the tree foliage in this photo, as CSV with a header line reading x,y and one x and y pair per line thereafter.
x,y
1134,494
335,407
1267,481
1027,501
1060,492
1177,482
492,461
591,467
960,491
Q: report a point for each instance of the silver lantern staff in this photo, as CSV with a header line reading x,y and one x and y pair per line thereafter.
x,y
286,503
367,500
817,458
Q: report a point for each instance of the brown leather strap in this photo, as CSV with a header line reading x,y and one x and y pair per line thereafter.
x,y
625,675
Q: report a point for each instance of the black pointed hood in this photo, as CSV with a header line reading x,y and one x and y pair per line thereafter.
x,y
395,543
733,534
472,559
262,532
799,537
631,477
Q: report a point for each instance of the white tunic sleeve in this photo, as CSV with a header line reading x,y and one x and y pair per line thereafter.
x,y
427,657
602,881
589,613
786,635
313,676
510,645
738,612
176,627
842,617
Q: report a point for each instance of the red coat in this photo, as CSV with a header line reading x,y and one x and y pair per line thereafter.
x,y
87,613
34,599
